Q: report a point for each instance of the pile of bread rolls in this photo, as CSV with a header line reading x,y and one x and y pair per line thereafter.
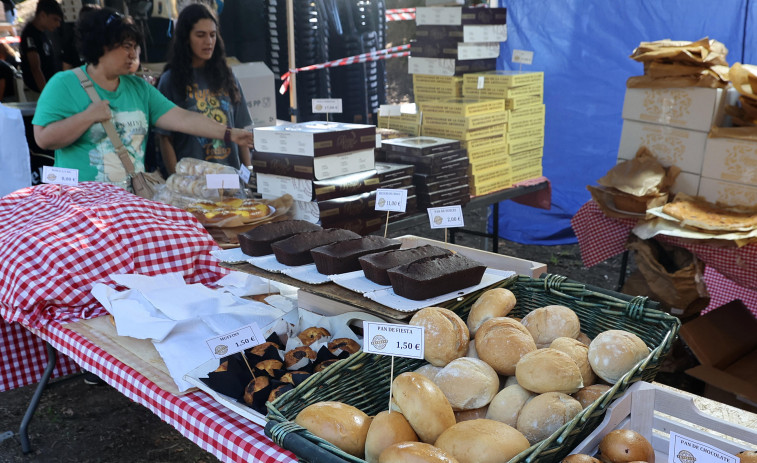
x,y
493,386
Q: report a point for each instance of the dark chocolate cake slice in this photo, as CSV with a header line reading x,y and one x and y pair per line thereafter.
x,y
295,250
257,242
433,276
375,265
342,257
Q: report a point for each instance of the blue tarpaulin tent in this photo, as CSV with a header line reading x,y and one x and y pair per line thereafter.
x,y
582,46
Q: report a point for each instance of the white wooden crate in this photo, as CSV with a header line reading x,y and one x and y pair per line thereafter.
x,y
655,411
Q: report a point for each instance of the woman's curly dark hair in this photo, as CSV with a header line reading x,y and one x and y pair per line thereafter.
x,y
98,31
218,73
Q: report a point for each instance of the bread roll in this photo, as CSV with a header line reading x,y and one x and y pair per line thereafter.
x,y
497,302
423,404
468,383
482,441
472,352
580,458
501,342
587,395
429,371
415,452
343,425
579,352
747,456
446,335
510,380
551,322
387,429
545,413
548,370
584,338
614,352
507,404
475,414
625,446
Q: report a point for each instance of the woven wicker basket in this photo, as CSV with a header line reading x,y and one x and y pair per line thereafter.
x,y
362,380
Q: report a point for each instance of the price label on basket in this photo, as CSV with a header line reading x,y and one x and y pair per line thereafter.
x,y
60,175
230,181
684,450
393,339
235,341
391,200
446,217
327,105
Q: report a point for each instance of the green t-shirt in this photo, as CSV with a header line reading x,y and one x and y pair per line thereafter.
x,y
136,106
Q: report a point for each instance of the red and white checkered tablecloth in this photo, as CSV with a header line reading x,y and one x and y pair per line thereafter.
x,y
731,273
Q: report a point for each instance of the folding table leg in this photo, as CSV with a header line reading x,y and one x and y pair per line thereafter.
x,y
52,357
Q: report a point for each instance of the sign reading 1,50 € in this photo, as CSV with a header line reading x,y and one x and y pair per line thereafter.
x,y
393,339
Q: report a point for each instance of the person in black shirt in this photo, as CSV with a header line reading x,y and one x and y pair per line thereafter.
x,y
38,62
8,65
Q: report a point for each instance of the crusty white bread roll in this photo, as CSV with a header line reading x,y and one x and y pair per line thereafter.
x,y
548,370
415,452
429,371
343,425
475,414
579,352
423,404
468,383
550,322
445,336
501,342
588,394
584,338
497,302
387,429
614,352
472,352
545,413
507,404
482,441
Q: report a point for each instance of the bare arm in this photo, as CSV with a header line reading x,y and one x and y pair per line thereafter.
x,y
244,156
167,152
192,123
36,67
62,133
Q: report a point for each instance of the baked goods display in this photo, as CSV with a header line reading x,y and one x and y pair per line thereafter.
x,y
257,242
446,335
624,446
342,257
387,429
240,211
376,266
468,383
343,425
501,342
545,413
702,215
614,352
506,405
548,370
415,452
588,394
295,250
423,404
482,441
551,322
579,352
496,302
436,275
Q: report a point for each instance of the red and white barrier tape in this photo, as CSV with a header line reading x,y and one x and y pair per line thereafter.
x,y
400,14
10,39
393,52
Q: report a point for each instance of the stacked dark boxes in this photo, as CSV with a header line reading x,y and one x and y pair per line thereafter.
x,y
398,177
328,168
441,165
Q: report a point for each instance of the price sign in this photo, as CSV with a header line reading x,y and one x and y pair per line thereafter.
x,y
684,450
327,105
480,82
391,200
390,110
244,174
446,217
523,56
60,175
235,341
393,339
230,181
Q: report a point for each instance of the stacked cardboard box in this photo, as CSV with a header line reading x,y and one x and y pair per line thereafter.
x,y
408,122
430,87
328,168
397,176
439,166
522,96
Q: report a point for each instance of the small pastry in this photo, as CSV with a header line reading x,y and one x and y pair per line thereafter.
x,y
224,366
278,391
257,384
269,365
297,354
324,364
346,344
260,349
294,377
310,335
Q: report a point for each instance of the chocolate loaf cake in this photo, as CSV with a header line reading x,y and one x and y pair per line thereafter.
x,y
342,257
376,265
436,275
295,250
257,242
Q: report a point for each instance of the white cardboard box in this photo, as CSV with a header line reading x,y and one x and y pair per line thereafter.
x,y
727,193
731,160
274,186
257,85
670,145
686,182
687,108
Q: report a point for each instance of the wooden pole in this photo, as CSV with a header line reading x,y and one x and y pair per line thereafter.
x,y
290,50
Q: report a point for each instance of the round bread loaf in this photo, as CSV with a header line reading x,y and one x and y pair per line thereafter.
x,y
625,446
497,302
747,456
507,404
429,371
423,404
475,414
387,429
545,413
468,383
446,336
580,458
343,425
587,395
579,352
415,452
584,338
482,441
548,370
614,352
501,342
551,322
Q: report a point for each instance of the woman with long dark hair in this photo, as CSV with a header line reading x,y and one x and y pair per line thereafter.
x,y
197,78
